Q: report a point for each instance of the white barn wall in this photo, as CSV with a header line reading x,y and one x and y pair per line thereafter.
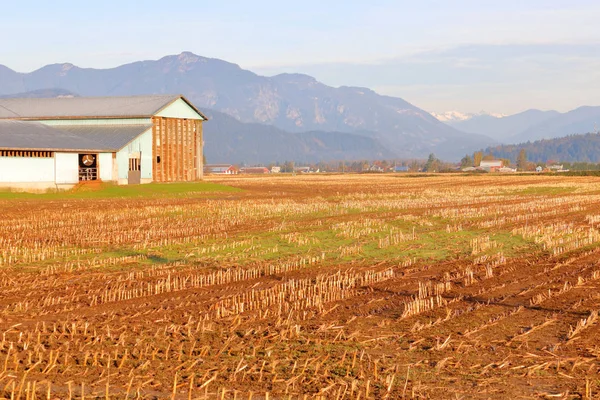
x,y
179,109
143,144
105,161
67,168
26,169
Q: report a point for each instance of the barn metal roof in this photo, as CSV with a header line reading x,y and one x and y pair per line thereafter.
x,y
20,135
110,137
88,107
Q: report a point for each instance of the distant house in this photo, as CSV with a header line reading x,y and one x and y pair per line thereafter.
x,y
401,168
557,168
255,170
507,170
375,168
219,169
275,170
305,170
539,168
492,165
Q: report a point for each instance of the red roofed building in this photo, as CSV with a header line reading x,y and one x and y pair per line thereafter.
x,y
220,169
255,170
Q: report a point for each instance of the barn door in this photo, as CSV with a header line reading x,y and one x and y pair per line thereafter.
x,y
88,167
134,176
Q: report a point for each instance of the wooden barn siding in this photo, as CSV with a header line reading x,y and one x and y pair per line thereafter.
x,y
178,143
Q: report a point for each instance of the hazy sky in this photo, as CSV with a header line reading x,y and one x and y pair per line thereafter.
x,y
466,55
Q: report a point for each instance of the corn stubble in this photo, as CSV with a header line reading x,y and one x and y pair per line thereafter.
x,y
331,287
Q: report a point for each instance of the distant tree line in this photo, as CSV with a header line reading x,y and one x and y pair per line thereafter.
x,y
574,152
432,164
583,150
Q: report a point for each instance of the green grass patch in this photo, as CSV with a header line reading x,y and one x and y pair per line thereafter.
x,y
108,191
545,190
514,245
433,243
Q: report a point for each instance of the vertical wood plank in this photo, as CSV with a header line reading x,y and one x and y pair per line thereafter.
x,y
161,169
199,150
176,153
158,176
184,153
167,149
162,150
191,144
172,140
178,158
173,149
195,149
183,158
188,151
154,122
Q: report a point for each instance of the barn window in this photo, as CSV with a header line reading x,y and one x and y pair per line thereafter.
x,y
134,164
29,154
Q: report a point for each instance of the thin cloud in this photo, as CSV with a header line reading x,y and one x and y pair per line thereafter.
x,y
500,78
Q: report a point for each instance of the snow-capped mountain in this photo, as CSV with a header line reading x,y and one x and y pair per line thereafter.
x,y
457,116
452,116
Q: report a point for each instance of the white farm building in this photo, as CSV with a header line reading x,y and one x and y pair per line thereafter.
x,y
58,142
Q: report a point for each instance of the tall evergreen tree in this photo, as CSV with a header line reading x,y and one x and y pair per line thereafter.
x,y
477,157
522,160
432,164
466,161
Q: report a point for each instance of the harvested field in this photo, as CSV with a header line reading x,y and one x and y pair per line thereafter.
x,y
341,287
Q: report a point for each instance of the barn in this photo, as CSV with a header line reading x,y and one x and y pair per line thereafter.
x,y
492,165
59,142
220,169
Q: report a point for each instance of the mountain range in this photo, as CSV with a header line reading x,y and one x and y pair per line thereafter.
x,y
532,125
292,103
228,139
258,119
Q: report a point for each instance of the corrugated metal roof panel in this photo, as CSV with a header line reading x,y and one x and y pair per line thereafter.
x,y
113,137
19,135
86,107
